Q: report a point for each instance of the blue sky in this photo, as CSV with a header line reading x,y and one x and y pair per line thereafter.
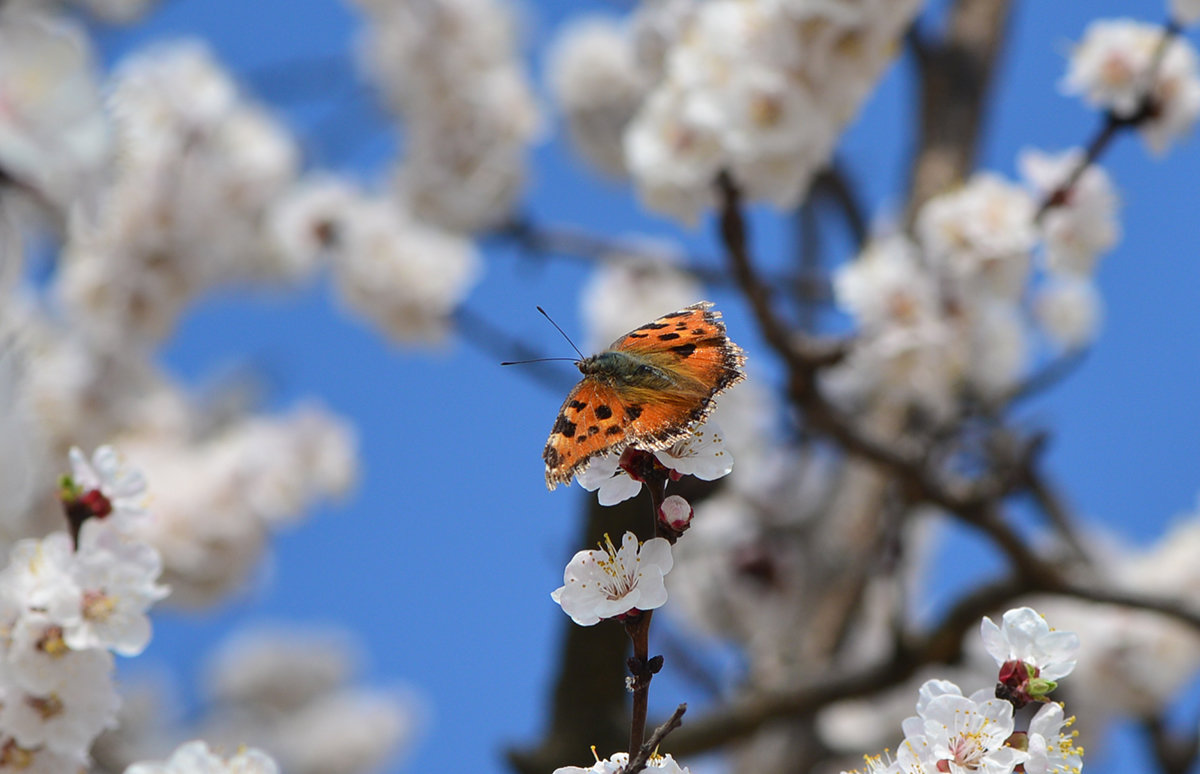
x,y
444,556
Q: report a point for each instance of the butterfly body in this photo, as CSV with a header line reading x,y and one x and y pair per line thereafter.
x,y
649,389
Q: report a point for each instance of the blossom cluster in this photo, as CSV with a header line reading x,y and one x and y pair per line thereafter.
x,y
953,732
946,313
68,601
451,69
759,89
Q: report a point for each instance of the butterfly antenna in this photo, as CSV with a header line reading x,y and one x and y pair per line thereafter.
x,y
538,360
564,333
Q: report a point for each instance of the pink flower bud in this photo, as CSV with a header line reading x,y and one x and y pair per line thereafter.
x,y
676,513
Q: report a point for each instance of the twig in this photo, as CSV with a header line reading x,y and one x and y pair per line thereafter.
x,y
639,762
1112,124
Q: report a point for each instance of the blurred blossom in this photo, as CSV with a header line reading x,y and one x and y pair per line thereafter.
x,y
195,758
197,170
308,221
54,138
349,732
598,85
216,500
759,88
628,290
280,668
998,348
980,236
1084,224
405,276
23,457
1069,310
452,70
1111,68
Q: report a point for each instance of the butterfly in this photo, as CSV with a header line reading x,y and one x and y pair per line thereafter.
x,y
649,390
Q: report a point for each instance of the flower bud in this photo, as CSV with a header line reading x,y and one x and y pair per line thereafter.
x,y
676,513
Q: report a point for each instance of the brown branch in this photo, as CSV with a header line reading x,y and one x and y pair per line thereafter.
x,y
639,762
1112,124
943,644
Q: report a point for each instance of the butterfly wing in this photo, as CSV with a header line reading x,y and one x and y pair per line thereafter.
x,y
649,390
592,420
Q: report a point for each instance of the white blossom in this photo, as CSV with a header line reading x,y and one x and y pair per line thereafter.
x,y
1069,310
1051,749
1083,225
195,758
611,581
956,734
595,78
618,761
117,577
981,235
701,454
1111,69
123,487
1184,11
1024,635
405,276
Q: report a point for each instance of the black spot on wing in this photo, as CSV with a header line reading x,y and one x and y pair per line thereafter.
x,y
639,335
593,430
578,405
684,350
552,457
681,326
633,412
654,326
699,331
668,336
680,313
603,411
563,426
615,430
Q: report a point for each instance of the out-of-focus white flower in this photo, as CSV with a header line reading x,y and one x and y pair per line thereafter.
x,y
122,489
626,291
1051,749
306,222
280,669
117,577
1184,11
981,235
618,761
1084,223
54,137
998,348
452,69
758,89
959,734
612,582
673,160
886,286
406,277
23,456
1025,636
118,11
67,718
195,758
196,171
1069,310
596,81
1111,69
40,760
346,732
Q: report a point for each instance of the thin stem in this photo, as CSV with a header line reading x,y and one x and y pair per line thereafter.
x,y
639,667
647,749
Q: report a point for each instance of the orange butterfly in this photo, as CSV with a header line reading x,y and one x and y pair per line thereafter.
x,y
649,390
